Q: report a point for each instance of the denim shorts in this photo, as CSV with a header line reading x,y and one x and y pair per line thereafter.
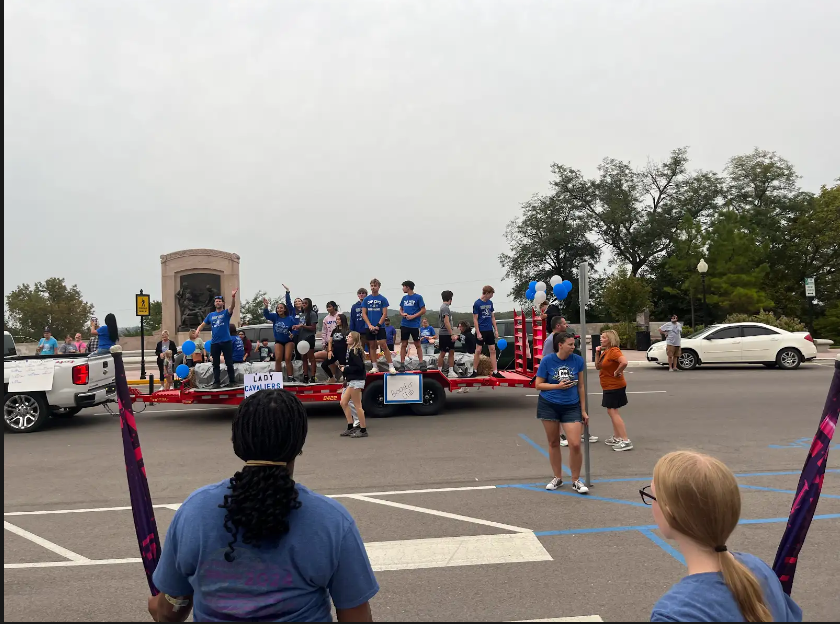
x,y
555,412
356,384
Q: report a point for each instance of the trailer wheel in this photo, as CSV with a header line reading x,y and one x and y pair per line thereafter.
x,y
434,398
373,401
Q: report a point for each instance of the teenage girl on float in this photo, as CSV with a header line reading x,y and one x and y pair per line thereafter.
x,y
327,326
307,324
355,374
336,348
284,344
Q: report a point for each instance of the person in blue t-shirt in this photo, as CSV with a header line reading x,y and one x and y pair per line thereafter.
x,y
427,337
390,334
374,309
109,334
412,309
284,346
486,331
259,547
562,400
357,321
237,346
48,344
700,495
221,342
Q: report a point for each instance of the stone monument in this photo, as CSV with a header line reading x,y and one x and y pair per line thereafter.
x,y
190,280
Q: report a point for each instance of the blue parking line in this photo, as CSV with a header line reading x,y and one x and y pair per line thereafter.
x,y
544,452
653,537
594,530
589,496
767,489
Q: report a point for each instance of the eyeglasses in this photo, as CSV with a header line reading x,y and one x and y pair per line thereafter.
x,y
647,497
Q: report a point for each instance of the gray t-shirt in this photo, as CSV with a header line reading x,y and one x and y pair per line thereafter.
x,y
444,312
674,331
67,348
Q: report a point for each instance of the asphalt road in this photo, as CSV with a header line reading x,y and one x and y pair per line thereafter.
x,y
501,553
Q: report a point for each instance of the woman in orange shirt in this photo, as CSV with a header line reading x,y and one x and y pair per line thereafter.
x,y
610,362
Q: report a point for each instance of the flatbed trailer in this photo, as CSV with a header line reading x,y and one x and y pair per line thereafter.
x,y
435,383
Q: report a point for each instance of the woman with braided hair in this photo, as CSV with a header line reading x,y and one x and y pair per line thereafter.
x,y
258,546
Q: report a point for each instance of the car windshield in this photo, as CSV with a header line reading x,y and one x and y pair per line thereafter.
x,y
704,331
8,345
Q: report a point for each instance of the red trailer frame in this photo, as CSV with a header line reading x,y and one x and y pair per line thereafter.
x,y
434,382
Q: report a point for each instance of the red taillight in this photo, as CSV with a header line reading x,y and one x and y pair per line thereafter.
x,y
808,337
81,374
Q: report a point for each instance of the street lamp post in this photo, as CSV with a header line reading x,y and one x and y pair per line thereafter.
x,y
702,267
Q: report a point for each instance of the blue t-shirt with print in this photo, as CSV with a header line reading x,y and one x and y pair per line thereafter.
x,y
412,304
282,325
425,332
219,323
357,323
48,347
390,334
555,371
484,310
374,304
706,598
322,557
238,349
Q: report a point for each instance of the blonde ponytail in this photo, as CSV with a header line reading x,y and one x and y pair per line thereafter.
x,y
745,589
699,498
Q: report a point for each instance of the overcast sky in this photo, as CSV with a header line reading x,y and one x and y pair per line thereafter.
x,y
330,142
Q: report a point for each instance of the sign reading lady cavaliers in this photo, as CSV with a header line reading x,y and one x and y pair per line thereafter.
x,y
189,279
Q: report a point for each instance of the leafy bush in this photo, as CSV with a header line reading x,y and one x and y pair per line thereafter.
x,y
626,334
791,324
687,331
829,325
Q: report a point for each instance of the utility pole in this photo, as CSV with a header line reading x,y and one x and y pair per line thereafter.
x,y
583,289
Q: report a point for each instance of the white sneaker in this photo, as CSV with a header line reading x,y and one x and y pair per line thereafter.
x,y
624,445
563,441
579,487
392,370
555,484
611,441
592,438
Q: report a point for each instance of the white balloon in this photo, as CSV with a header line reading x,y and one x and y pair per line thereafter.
x,y
303,347
539,297
540,286
555,279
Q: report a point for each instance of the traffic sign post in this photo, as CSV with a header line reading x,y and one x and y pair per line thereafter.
x,y
810,294
583,295
142,306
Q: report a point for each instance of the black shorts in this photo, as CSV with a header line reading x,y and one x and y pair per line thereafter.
x,y
614,399
488,338
445,343
377,335
409,333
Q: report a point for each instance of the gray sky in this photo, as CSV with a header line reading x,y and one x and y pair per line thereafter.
x,y
299,134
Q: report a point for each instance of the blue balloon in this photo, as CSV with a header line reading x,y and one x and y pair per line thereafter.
x,y
530,294
559,291
532,285
188,347
207,346
183,371
567,285
502,344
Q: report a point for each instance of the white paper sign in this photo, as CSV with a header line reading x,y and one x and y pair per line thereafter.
x,y
406,388
31,375
262,381
810,287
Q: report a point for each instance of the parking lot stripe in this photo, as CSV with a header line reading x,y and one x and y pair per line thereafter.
x,y
442,514
448,552
543,452
428,491
653,537
69,554
767,489
579,618
69,564
50,512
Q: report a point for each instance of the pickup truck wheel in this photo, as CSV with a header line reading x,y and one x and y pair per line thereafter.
x,y
434,398
65,412
24,412
373,400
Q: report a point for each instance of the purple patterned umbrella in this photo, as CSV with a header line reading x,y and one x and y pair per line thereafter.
x,y
138,486
808,492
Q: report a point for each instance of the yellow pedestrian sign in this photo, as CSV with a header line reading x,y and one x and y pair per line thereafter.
x,y
142,303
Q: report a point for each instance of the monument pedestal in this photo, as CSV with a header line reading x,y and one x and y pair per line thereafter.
x,y
190,280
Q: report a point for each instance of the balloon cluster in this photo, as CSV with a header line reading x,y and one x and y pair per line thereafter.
x,y
537,290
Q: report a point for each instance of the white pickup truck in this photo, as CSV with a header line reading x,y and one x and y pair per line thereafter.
x,y
36,388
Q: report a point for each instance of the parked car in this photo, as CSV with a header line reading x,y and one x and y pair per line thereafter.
x,y
79,380
8,345
741,343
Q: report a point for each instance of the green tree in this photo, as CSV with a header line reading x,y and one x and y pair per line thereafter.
x,y
550,237
51,303
639,212
626,295
737,267
155,319
251,311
